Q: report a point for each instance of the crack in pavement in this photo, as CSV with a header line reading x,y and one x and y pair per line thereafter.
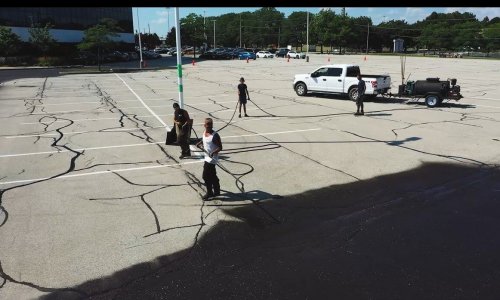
x,y
8,278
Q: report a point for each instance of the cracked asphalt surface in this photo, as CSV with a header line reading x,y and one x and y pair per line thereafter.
x,y
403,202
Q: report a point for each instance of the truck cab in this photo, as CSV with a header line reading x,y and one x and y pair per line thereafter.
x,y
340,79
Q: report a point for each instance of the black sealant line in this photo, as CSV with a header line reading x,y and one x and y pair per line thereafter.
x,y
71,167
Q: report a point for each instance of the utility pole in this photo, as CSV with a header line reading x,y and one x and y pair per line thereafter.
x,y
140,44
307,38
214,34
367,38
279,36
179,58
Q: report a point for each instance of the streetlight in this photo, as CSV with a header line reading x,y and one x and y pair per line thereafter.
x,y
214,33
307,37
140,44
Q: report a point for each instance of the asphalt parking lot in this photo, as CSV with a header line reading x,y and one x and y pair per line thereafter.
x,y
402,203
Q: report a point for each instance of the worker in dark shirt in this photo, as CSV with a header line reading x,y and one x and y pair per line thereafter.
x,y
182,128
361,96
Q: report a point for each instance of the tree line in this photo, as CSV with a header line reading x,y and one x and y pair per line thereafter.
x,y
269,28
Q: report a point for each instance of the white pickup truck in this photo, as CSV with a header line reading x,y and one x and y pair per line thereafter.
x,y
340,79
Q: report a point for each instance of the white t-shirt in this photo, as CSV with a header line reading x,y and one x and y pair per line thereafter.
x,y
209,147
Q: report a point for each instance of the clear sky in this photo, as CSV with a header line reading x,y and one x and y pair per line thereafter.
x,y
159,20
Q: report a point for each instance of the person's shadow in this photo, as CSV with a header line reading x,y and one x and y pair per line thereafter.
x,y
255,196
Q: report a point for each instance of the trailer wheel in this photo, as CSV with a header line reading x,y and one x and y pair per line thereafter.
x,y
353,93
301,89
431,100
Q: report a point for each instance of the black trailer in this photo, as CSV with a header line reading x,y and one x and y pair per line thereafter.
x,y
432,90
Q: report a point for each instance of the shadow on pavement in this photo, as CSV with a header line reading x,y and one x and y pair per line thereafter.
x,y
427,233
13,74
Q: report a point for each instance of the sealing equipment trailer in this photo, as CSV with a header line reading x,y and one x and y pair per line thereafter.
x,y
433,90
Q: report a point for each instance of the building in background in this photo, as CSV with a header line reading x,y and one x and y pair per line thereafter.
x,y
68,23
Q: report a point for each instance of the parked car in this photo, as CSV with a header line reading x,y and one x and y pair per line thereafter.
x,y
282,52
264,54
295,54
84,58
245,55
150,55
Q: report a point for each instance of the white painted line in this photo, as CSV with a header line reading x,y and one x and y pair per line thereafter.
x,y
98,119
101,172
148,116
147,107
145,144
270,133
78,132
81,149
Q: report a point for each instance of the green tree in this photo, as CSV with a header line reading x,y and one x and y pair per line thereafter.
x,y
9,41
324,26
41,38
296,28
491,36
99,37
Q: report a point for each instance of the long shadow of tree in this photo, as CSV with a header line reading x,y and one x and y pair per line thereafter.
x,y
426,233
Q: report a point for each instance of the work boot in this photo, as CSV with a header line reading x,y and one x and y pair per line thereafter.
x,y
207,196
216,189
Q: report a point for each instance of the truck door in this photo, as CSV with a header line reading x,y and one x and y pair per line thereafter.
x,y
334,81
316,81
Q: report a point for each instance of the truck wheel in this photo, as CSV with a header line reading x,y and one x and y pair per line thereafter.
x,y
353,93
301,89
431,100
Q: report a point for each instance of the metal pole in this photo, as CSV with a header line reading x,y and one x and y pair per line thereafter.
x,y
307,38
140,44
367,37
214,33
179,58
279,36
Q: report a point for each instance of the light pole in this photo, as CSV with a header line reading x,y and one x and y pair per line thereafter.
x,y
140,44
214,33
367,37
307,37
179,58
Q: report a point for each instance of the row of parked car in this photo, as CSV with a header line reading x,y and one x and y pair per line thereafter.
x,y
90,58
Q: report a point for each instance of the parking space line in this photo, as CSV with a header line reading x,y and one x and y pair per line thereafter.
x,y
101,172
78,132
146,144
148,116
147,107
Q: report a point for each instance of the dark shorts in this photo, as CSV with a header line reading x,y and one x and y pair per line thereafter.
x,y
360,99
243,100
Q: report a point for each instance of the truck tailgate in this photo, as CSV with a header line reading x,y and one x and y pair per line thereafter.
x,y
383,81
